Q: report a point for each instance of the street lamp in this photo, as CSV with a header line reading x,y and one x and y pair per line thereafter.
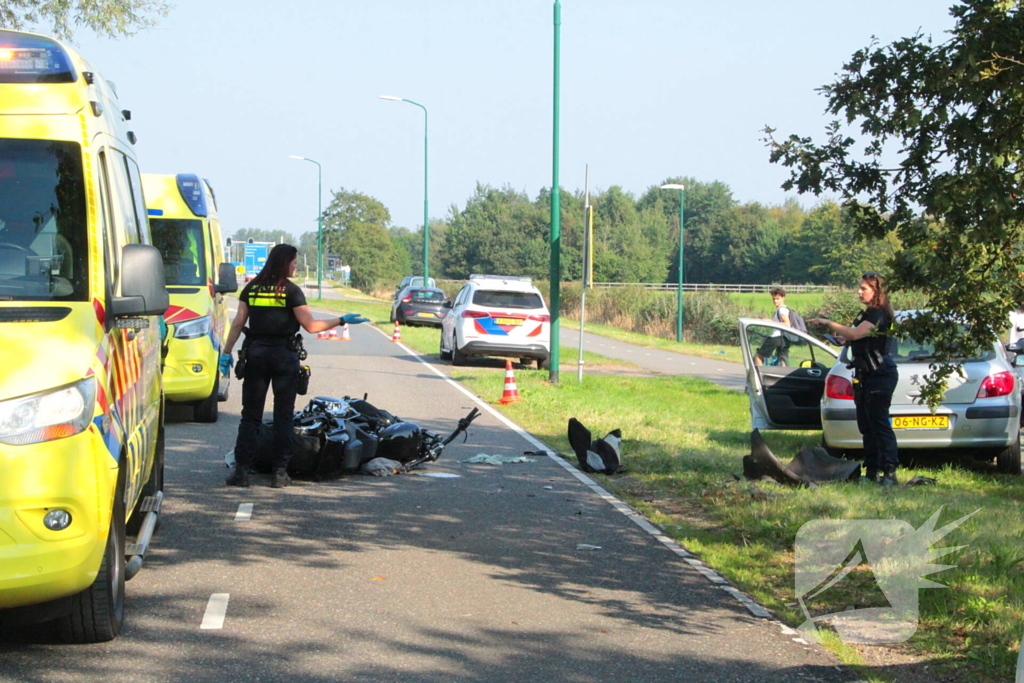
x,y
319,225
426,212
679,320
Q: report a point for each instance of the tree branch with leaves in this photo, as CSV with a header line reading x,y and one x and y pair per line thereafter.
x,y
109,18
951,115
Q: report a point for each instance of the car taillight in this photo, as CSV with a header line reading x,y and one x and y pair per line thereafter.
x,y
839,387
541,318
999,384
475,314
406,299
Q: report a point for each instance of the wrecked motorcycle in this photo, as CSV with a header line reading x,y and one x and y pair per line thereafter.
x,y
336,436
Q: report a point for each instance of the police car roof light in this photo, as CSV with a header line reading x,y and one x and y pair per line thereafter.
x,y
477,276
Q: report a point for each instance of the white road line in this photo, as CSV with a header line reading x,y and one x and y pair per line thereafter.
x,y
244,513
216,610
756,609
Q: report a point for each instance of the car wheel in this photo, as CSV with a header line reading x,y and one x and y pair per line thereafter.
x,y
458,357
1008,459
445,355
544,363
97,613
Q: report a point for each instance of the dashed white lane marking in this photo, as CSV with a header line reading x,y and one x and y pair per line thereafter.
x,y
631,514
216,610
244,513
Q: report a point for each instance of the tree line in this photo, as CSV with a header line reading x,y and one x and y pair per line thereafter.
x,y
636,239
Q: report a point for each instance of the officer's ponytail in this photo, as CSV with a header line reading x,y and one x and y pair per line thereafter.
x,y
276,270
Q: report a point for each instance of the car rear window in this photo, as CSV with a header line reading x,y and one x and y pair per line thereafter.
x,y
906,350
505,299
426,296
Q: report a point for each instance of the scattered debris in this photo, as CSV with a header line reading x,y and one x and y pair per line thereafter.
x,y
920,481
602,456
382,467
810,466
486,459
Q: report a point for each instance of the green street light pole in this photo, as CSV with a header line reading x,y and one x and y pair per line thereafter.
x,y
679,317
319,225
556,212
426,210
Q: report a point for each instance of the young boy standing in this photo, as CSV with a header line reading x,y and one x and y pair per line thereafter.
x,y
776,343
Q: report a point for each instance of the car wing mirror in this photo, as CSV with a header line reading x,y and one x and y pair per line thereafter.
x,y
226,279
447,303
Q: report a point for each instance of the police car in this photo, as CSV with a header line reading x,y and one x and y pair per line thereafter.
x,y
497,315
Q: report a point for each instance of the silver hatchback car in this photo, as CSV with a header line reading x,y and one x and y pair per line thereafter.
x,y
814,390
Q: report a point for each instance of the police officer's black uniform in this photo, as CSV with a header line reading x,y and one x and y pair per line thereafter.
x,y
875,379
271,360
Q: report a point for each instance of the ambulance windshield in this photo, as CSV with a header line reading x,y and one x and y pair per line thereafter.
x,y
180,240
43,242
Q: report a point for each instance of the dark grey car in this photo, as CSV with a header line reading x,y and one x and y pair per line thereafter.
x,y
419,306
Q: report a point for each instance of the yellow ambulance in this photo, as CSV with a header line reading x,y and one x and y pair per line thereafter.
x,y
183,218
81,294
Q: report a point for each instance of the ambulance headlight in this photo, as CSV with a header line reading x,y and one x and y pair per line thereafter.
x,y
48,415
193,329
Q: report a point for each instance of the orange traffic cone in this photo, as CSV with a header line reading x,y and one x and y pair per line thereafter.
x,y
511,393
333,333
322,334
345,336
397,336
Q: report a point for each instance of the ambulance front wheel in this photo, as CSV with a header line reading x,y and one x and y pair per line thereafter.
x,y
544,363
97,613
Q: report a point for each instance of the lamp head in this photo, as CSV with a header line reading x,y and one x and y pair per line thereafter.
x,y
673,186
391,97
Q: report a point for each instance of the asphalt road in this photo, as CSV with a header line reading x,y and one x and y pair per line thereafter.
x,y
412,578
724,373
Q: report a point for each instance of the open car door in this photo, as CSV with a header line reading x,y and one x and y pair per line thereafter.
x,y
785,391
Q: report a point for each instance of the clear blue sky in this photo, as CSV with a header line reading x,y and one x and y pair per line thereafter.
x,y
650,89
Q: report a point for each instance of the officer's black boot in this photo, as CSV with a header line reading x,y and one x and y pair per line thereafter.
x,y
870,475
240,477
279,479
888,479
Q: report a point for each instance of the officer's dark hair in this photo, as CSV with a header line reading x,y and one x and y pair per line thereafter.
x,y
777,291
276,270
881,297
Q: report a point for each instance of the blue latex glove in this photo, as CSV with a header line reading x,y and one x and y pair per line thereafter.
x,y
226,363
354,319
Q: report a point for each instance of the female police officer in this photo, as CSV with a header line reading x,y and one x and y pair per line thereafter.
x,y
875,376
274,307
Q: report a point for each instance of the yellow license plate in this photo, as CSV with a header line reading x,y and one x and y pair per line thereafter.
x,y
509,321
425,315
920,422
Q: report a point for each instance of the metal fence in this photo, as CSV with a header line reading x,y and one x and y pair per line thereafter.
x,y
714,287
705,287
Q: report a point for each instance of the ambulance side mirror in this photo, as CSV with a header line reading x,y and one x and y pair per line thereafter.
x,y
226,280
143,287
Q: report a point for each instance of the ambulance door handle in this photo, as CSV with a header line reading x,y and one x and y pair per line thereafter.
x,y
814,372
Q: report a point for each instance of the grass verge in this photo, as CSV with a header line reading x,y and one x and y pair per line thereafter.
x,y
684,439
